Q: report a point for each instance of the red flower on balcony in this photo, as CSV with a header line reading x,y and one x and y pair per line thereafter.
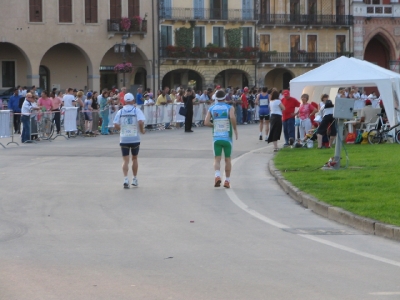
x,y
125,24
249,49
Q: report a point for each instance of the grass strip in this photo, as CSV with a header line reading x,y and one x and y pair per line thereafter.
x,y
368,187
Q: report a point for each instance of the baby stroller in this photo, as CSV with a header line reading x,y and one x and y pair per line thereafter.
x,y
308,140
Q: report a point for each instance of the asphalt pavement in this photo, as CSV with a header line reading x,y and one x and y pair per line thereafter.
x,y
68,229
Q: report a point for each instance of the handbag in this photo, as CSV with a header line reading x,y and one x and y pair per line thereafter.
x,y
182,111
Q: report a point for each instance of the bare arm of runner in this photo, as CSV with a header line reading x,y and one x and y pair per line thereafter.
x,y
232,118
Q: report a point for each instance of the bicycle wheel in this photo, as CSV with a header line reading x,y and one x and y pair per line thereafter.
x,y
397,136
374,136
51,129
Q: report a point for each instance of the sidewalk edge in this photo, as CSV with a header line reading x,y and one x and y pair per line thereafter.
x,y
334,213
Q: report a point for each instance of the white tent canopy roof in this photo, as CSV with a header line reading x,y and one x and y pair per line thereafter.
x,y
344,72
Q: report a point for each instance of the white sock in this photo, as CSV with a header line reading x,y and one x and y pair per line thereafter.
x,y
261,133
126,178
228,179
218,173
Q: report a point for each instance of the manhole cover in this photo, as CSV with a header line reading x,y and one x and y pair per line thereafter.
x,y
322,231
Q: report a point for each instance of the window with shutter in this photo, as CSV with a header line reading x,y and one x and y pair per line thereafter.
x,y
65,11
90,11
218,36
199,37
247,33
166,36
115,9
133,8
340,43
219,9
35,11
247,9
265,42
198,9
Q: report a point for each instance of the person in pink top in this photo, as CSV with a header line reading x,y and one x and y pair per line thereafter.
x,y
55,108
45,102
306,110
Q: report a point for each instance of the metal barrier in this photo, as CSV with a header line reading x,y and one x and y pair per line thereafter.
x,y
73,120
169,113
6,126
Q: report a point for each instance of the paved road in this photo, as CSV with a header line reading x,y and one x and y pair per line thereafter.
x,y
68,230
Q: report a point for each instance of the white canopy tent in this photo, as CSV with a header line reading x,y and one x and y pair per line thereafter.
x,y
344,72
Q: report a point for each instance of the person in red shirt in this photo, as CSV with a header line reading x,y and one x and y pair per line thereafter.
x,y
245,103
288,117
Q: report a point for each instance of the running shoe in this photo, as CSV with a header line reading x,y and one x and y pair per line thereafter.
x,y
260,137
266,138
291,141
126,184
217,181
227,184
135,182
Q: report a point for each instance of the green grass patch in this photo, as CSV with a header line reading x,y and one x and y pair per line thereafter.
x,y
368,187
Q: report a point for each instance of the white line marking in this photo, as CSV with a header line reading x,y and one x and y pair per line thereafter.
x,y
236,200
385,293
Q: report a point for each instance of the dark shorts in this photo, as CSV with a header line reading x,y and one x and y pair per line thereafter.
x,y
133,148
327,124
264,117
88,116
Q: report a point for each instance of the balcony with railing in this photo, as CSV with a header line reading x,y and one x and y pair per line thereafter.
x,y
274,57
207,14
305,20
209,53
136,27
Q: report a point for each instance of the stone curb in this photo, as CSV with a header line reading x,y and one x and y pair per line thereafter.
x,y
334,213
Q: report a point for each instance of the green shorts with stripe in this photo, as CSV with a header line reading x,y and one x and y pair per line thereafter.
x,y
222,145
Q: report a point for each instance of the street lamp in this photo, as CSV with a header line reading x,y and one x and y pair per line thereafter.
x,y
121,48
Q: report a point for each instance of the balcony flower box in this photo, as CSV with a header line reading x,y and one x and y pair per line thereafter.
x,y
136,23
198,52
175,51
249,52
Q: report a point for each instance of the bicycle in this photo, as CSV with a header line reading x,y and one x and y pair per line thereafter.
x,y
46,126
377,136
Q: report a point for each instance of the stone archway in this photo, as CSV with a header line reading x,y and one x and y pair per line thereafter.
x,y
69,66
109,78
232,78
377,51
183,77
278,78
15,66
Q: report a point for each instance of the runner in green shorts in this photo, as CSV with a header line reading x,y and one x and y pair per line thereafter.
x,y
221,117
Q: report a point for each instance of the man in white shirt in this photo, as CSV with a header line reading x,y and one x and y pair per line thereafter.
x,y
69,98
26,110
129,120
372,96
204,96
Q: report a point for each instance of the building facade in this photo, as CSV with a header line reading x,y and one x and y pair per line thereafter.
x,y
377,32
295,36
204,43
70,43
249,42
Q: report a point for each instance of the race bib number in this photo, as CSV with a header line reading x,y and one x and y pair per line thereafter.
x,y
221,127
263,102
128,130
